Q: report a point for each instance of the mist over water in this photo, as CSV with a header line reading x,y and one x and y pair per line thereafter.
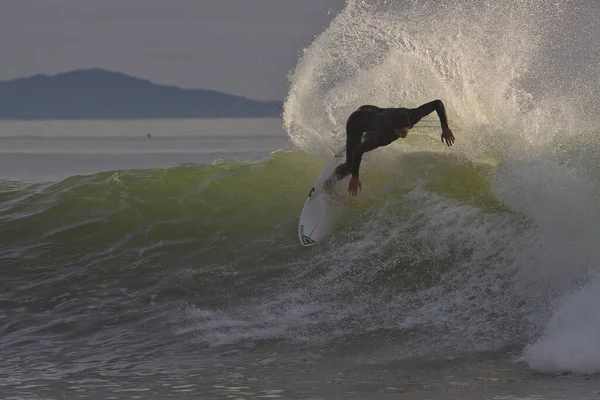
x,y
519,80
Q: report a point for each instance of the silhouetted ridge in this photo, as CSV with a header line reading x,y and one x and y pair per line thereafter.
x,y
96,93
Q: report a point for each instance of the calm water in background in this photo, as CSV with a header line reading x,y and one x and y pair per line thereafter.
x,y
53,150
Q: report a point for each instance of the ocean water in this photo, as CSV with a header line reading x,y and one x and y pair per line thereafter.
x,y
160,259
55,150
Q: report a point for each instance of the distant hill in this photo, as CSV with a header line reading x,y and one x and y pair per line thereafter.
x,y
101,94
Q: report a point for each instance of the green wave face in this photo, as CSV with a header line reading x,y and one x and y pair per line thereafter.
x,y
232,202
438,246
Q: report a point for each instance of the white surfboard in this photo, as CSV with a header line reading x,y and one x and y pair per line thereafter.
x,y
322,210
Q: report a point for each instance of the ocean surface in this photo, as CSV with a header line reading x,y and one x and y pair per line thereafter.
x,y
159,259
55,150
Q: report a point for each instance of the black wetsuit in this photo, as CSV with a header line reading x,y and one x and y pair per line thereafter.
x,y
378,126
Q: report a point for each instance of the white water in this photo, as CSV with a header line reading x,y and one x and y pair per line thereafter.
x,y
494,64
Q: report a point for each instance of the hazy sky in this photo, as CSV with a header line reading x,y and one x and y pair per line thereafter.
x,y
244,47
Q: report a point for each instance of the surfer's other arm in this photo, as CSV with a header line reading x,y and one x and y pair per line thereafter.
x,y
354,185
358,152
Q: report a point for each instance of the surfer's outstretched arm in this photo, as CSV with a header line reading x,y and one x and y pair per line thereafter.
x,y
428,108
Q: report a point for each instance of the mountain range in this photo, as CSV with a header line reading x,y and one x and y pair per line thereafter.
x,y
101,94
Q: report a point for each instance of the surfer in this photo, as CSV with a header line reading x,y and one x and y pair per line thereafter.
x,y
371,127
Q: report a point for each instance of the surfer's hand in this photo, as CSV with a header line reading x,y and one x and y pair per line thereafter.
x,y
447,136
354,185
